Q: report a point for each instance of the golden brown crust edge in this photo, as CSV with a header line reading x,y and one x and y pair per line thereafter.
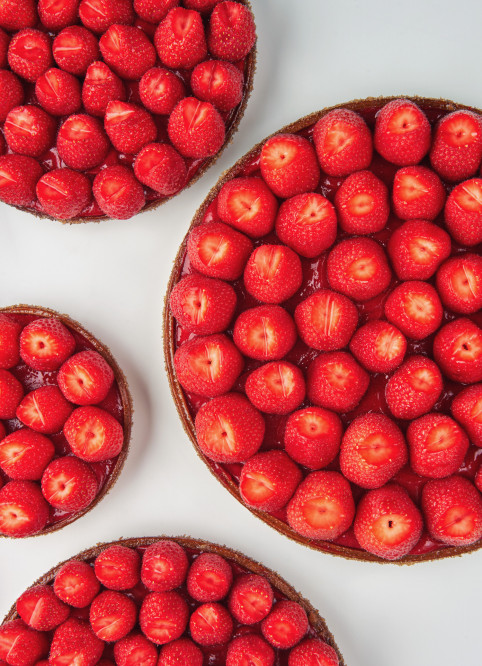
x,y
169,340
316,621
125,395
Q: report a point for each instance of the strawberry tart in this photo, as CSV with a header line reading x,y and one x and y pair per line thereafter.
x,y
164,602
323,330
111,107
66,416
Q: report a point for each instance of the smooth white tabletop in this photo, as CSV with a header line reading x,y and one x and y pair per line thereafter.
x,y
112,277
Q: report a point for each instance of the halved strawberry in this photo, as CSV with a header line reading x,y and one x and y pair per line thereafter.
x,y
18,14
286,625
128,51
41,609
326,320
457,349
64,193
99,15
196,129
46,343
232,31
402,132
414,388
343,142
266,333
249,648
467,409
163,616
93,434
58,92
118,567
417,249
118,193
161,90
11,394
164,566
9,342
76,584
100,87
112,615
415,308
57,14
273,273
418,193
277,387
85,378
211,624
463,212
247,204
362,204
161,167
203,305
181,651
459,283
336,381
129,126
457,145
289,165
44,410
251,598
29,130
218,82
24,454
11,93
312,436
135,649
216,250
18,178
180,40
268,480
20,645
74,49
82,143
210,577
23,509
378,346
74,642
30,54
69,484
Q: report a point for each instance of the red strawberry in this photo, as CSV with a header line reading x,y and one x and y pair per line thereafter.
x,y
58,92
415,308
467,409
93,434
69,484
463,212
64,193
85,378
414,388
133,649
459,283
208,365
232,32
251,598
210,578
99,15
23,510
286,625
229,429
18,14
326,320
273,273
457,145
100,87
249,648
129,126
154,11
417,249
196,129
161,168
128,51
82,143
322,507
180,40
362,204
118,567
312,437
112,615
453,510
74,49
247,204
44,410
203,305
343,142
29,130
387,522
163,616
418,193
378,346
215,249
211,624
182,651
164,566
307,224
4,42
18,177
268,480
336,381
201,5
24,454
402,132
457,349
118,193
76,584
313,652
437,445
372,451
289,165
266,333
11,93
161,90
277,387
20,645
75,642
358,267
30,54
46,343
11,394
9,342
57,14
41,609
218,82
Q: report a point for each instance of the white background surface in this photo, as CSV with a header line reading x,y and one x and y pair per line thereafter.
x,y
112,278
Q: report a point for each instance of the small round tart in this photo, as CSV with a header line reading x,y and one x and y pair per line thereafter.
x,y
166,600
323,330
66,419
112,108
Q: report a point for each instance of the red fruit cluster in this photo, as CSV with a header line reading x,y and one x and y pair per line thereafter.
x,y
159,605
147,85
61,432
349,307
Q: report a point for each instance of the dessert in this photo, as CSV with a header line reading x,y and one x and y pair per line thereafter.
x,y
163,601
341,401
110,108
66,421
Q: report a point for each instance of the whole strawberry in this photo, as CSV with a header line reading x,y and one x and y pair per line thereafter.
x,y
268,480
417,248
211,624
312,436
9,342
273,273
23,509
129,126
29,130
459,283
251,598
11,393
362,204
286,625
75,640
112,615
378,346
164,566
56,15
161,167
326,320
415,309
336,381
118,193
266,333
69,484
93,434
154,10
247,204
218,82
30,54
18,14
466,408
118,567
457,349
217,250
210,577
343,142
128,51
277,387
414,388
418,193
44,410
19,176
181,651
45,343
135,646
11,93
196,129
402,132
456,150
21,645
161,90
250,646
232,32
41,609
163,616
24,454
64,193
74,49
463,212
100,87
289,165
58,92
99,15
82,143
76,584
180,40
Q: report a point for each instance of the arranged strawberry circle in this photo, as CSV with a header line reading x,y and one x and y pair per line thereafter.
x,y
164,601
323,332
66,418
111,108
